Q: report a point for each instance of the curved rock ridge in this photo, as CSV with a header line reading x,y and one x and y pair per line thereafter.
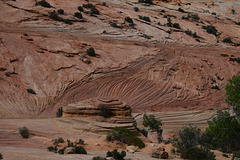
x,y
91,107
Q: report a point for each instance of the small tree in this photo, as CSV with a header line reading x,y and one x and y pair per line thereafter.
x,y
59,112
153,124
1,156
116,155
104,112
24,132
91,52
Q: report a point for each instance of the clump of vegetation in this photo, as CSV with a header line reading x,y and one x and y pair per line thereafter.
x,y
144,18
1,156
99,158
197,153
146,1
91,52
116,155
30,90
104,112
235,59
193,16
136,9
78,15
129,20
210,29
237,23
52,149
80,150
215,87
236,154
125,136
181,10
224,55
24,132
57,141
169,23
183,17
80,8
44,3
104,4
88,6
176,25
59,112
197,40
144,132
94,11
60,11
233,11
227,40
114,25
7,74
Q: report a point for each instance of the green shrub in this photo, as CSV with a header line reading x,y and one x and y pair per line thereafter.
x,y
78,15
144,18
151,122
136,9
94,11
60,11
227,40
144,132
125,136
53,15
176,25
59,112
116,155
210,29
1,156
195,35
43,3
104,4
193,16
24,132
215,87
181,10
70,144
104,112
235,59
169,23
29,90
114,25
224,55
80,150
57,141
52,149
197,40
195,153
183,17
91,52
61,151
233,11
99,158
225,155
89,5
7,74
236,154
67,21
146,1
80,8
129,20
188,32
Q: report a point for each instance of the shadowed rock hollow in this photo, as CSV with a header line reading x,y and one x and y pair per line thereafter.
x,y
144,65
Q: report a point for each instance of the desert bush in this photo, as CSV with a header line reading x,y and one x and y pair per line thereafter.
x,y
145,1
70,144
129,20
24,132
61,151
43,3
151,122
59,112
144,132
60,11
1,156
144,18
136,9
233,11
104,112
183,17
57,141
195,35
7,74
116,155
176,25
99,158
224,55
78,15
188,32
94,11
215,87
197,40
196,153
181,10
52,149
193,16
210,29
104,4
114,25
80,8
91,52
29,90
80,150
125,136
235,59
169,23
227,40
89,5
67,21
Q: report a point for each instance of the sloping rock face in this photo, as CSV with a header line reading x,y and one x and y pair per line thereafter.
x,y
91,107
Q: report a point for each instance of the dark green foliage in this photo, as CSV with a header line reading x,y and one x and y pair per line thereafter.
x,y
181,10
25,34
163,11
78,15
236,154
59,112
144,132
215,87
53,15
91,52
29,90
169,23
94,11
213,13
7,74
196,153
223,132
80,8
227,40
52,149
24,132
60,11
80,150
61,151
151,122
197,40
70,144
210,29
116,155
99,158
104,4
124,136
233,11
114,25
176,25
129,20
144,18
67,21
169,32
136,9
169,15
1,156
225,155
233,92
195,35
183,17
193,16
235,59
104,112
145,1
224,55
89,5
43,3
188,32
